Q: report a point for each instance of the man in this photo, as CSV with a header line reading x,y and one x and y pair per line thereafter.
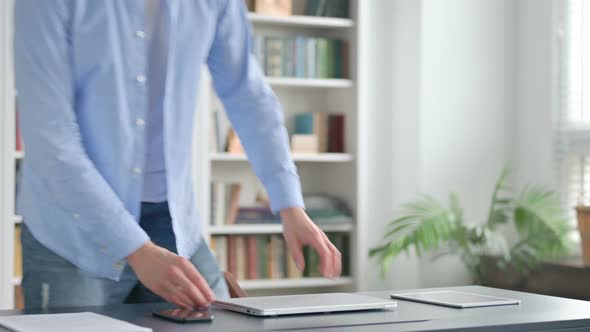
x,y
106,99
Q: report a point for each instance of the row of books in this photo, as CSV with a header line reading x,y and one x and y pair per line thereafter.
x,y
330,8
302,57
267,257
315,132
228,207
318,132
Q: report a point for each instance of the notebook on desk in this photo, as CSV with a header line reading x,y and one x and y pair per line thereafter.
x,y
304,304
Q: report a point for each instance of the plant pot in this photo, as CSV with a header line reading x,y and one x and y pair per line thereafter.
x,y
583,213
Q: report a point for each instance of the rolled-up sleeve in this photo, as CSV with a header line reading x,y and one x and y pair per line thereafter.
x,y
252,107
54,147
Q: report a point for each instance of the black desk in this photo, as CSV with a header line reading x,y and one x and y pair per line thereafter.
x,y
535,313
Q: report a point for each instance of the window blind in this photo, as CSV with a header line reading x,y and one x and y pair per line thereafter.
x,y
572,148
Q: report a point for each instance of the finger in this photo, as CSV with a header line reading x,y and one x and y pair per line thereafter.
x,y
319,244
197,279
296,251
336,259
169,297
190,290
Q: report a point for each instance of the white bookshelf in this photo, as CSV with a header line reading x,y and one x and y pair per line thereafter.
x,y
328,83
278,284
336,174
8,158
301,21
298,157
269,229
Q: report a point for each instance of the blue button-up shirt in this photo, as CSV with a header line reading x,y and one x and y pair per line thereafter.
x,y
81,75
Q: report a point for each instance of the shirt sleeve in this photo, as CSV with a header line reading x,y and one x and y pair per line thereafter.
x,y
252,107
56,155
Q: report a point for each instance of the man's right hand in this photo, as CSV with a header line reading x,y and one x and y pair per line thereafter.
x,y
172,277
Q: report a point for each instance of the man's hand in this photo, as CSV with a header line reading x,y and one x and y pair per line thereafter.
x,y
171,276
299,231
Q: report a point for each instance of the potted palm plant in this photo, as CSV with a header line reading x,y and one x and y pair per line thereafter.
x,y
534,216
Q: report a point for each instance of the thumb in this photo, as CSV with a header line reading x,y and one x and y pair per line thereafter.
x,y
296,250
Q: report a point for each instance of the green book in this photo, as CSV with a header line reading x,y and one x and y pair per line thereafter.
x,y
262,248
322,62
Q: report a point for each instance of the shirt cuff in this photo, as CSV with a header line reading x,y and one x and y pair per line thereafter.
x,y
284,191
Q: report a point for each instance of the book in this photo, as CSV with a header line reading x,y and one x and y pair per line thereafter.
x,y
241,258
18,253
321,58
253,257
218,199
336,135
263,257
219,245
329,8
273,7
234,145
233,205
314,123
257,215
292,271
19,139
232,264
274,56
304,143
278,249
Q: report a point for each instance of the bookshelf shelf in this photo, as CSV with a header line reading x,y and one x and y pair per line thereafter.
x,y
18,155
298,157
310,82
16,281
18,220
301,21
269,229
294,283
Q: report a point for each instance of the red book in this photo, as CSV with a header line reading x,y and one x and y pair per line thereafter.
x,y
232,259
19,140
252,258
336,133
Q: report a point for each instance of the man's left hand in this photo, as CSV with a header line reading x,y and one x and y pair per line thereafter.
x,y
299,230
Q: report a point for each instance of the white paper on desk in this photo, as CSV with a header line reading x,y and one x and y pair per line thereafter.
x,y
83,321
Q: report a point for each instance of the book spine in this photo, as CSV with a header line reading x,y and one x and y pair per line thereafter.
x,y
241,258
232,264
252,258
261,244
274,56
322,58
336,133
311,57
304,123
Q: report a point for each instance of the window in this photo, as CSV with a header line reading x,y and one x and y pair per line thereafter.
x,y
573,138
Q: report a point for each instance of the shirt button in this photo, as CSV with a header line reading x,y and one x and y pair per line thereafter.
x,y
118,265
140,78
140,122
104,249
140,34
136,170
76,215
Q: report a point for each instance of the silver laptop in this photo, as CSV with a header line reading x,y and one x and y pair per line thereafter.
x,y
304,304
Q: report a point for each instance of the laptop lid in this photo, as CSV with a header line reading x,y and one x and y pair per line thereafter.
x,y
304,304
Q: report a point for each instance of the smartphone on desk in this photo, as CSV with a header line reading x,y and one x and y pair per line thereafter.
x,y
185,315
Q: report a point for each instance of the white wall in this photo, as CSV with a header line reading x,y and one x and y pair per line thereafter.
x,y
467,108
533,153
443,82
392,87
